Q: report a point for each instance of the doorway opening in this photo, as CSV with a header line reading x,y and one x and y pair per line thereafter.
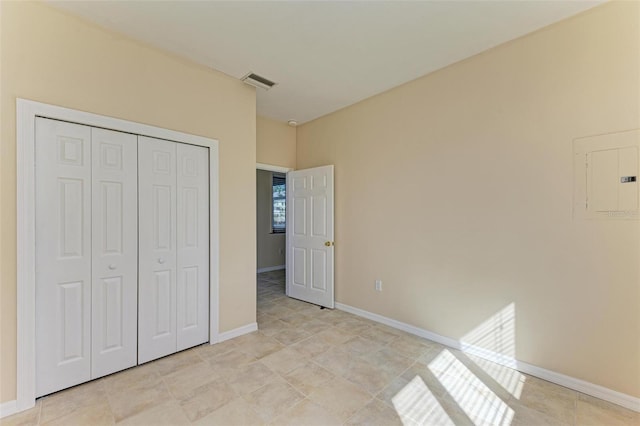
x,y
271,252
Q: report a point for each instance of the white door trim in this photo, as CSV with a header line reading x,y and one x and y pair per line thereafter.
x,y
25,145
271,168
277,169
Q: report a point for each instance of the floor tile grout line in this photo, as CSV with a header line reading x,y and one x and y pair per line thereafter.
x,y
358,411
571,415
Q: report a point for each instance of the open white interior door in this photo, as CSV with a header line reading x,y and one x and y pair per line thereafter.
x,y
310,235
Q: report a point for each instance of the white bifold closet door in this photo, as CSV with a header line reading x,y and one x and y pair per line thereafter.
x,y
86,253
114,243
193,246
173,312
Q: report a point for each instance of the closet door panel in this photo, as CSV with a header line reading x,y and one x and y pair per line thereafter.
x,y
157,248
63,255
193,246
115,251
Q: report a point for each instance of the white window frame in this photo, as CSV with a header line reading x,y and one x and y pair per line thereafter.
x,y
273,228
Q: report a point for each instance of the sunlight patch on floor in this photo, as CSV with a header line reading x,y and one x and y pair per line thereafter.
x,y
416,405
511,380
478,402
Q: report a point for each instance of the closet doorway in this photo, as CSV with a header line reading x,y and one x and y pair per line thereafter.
x,y
75,170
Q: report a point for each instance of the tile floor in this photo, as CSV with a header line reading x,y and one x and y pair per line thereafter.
x,y
307,366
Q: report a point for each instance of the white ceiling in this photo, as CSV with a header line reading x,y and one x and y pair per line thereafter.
x,y
324,55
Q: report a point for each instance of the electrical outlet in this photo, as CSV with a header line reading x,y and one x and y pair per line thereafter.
x,y
378,285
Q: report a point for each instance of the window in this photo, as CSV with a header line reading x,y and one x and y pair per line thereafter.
x,y
278,217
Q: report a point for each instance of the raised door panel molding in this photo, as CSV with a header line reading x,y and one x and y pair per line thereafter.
x,y
63,249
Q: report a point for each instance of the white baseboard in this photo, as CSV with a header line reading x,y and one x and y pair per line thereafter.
x,y
236,332
271,268
8,408
585,387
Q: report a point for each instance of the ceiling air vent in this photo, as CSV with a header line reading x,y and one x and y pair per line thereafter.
x,y
258,81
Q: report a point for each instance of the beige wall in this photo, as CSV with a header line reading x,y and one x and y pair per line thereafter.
x,y
275,146
50,57
456,191
275,143
271,247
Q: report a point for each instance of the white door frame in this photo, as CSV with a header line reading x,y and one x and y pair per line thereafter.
x,y
277,169
270,168
25,145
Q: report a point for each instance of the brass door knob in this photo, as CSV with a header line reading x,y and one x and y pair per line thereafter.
x,y
328,244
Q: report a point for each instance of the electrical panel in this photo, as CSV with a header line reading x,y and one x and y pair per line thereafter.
x,y
606,176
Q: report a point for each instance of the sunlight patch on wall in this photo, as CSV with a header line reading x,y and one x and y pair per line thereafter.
x,y
497,336
479,403
416,405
